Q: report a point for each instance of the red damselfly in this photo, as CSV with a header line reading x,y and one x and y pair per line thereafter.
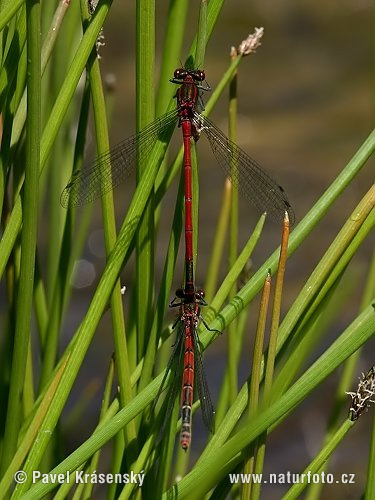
x,y
110,169
185,365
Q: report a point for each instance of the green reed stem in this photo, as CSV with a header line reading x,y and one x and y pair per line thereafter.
x,y
54,122
145,112
272,349
29,234
319,460
256,373
9,11
109,225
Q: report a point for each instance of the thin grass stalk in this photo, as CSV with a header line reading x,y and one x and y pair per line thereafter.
x,y
255,379
117,456
93,466
8,34
232,133
128,435
10,66
66,258
9,11
54,122
63,148
28,396
232,338
64,491
182,463
62,151
28,237
219,242
236,270
201,39
46,18
47,48
213,10
109,225
40,303
77,495
276,310
20,89
139,467
315,466
145,112
13,65
166,453
65,488
272,349
175,30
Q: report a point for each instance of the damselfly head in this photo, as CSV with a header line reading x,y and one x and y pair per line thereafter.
x,y
180,73
196,74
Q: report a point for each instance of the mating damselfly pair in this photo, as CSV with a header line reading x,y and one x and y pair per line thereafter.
x,y
108,170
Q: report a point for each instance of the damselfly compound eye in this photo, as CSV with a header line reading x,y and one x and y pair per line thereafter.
x,y
199,75
180,73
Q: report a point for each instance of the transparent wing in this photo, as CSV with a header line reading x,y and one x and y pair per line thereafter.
x,y
207,408
109,169
259,187
174,367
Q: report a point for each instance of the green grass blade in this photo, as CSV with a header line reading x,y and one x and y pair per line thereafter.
x,y
145,74
29,234
54,123
9,11
109,224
